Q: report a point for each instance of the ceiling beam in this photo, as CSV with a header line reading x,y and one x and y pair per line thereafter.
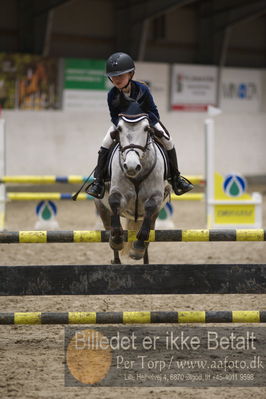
x,y
132,21
240,14
216,23
205,33
33,18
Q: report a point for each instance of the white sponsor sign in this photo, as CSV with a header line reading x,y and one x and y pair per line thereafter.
x,y
241,90
85,85
85,100
193,88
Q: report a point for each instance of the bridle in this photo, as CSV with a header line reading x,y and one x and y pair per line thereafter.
x,y
132,146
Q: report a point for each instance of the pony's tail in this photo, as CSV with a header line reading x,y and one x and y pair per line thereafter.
x,y
130,225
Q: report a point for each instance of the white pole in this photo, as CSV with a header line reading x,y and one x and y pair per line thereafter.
x,y
2,173
209,170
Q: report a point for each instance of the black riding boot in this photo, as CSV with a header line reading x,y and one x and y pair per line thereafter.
x,y
179,183
97,188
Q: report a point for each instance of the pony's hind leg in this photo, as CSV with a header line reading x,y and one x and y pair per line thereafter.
x,y
104,214
116,239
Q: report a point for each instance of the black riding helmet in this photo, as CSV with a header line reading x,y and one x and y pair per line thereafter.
x,y
119,63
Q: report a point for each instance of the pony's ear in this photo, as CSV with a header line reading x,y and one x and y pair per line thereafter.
x,y
114,134
150,130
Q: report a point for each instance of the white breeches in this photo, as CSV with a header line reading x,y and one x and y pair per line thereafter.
x,y
107,141
166,139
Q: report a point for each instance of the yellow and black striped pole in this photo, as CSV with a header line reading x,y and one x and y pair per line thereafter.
x,y
71,179
145,317
79,236
56,196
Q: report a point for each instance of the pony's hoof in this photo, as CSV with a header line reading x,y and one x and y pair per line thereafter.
x,y
116,244
138,250
135,256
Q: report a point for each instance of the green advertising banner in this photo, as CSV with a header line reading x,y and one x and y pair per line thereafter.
x,y
85,85
85,74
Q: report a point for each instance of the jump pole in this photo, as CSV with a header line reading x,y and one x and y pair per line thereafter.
x,y
2,172
135,317
209,170
71,179
56,196
93,236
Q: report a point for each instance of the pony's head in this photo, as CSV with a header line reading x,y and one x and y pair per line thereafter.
x,y
134,138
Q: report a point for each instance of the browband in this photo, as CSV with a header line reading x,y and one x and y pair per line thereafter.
x,y
133,118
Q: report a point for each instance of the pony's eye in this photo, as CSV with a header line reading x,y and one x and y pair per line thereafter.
x,y
119,128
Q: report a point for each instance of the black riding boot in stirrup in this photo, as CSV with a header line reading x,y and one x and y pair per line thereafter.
x,y
97,188
179,183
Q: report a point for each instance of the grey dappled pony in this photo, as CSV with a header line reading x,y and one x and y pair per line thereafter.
x,y
137,190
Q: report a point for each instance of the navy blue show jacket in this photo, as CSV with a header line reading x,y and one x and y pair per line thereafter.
x,y
139,92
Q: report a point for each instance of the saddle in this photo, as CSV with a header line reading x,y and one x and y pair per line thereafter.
x,y
108,168
165,158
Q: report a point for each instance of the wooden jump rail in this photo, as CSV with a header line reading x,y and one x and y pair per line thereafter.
x,y
133,279
163,317
101,236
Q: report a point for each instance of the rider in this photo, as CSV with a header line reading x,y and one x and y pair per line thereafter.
x,y
120,70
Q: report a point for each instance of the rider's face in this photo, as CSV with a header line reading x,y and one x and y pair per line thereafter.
x,y
121,81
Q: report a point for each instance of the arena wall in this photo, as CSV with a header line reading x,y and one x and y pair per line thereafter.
x,y
60,142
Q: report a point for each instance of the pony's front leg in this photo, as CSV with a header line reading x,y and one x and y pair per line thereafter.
x,y
116,239
151,208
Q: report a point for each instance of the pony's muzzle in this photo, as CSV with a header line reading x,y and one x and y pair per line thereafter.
x,y
132,170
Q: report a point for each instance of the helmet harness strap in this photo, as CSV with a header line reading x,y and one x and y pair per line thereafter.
x,y
129,80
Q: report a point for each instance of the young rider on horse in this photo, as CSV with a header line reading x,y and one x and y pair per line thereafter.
x,y
120,70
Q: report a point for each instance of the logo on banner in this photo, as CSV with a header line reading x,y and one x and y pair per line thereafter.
x,y
165,217
234,185
243,91
46,212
